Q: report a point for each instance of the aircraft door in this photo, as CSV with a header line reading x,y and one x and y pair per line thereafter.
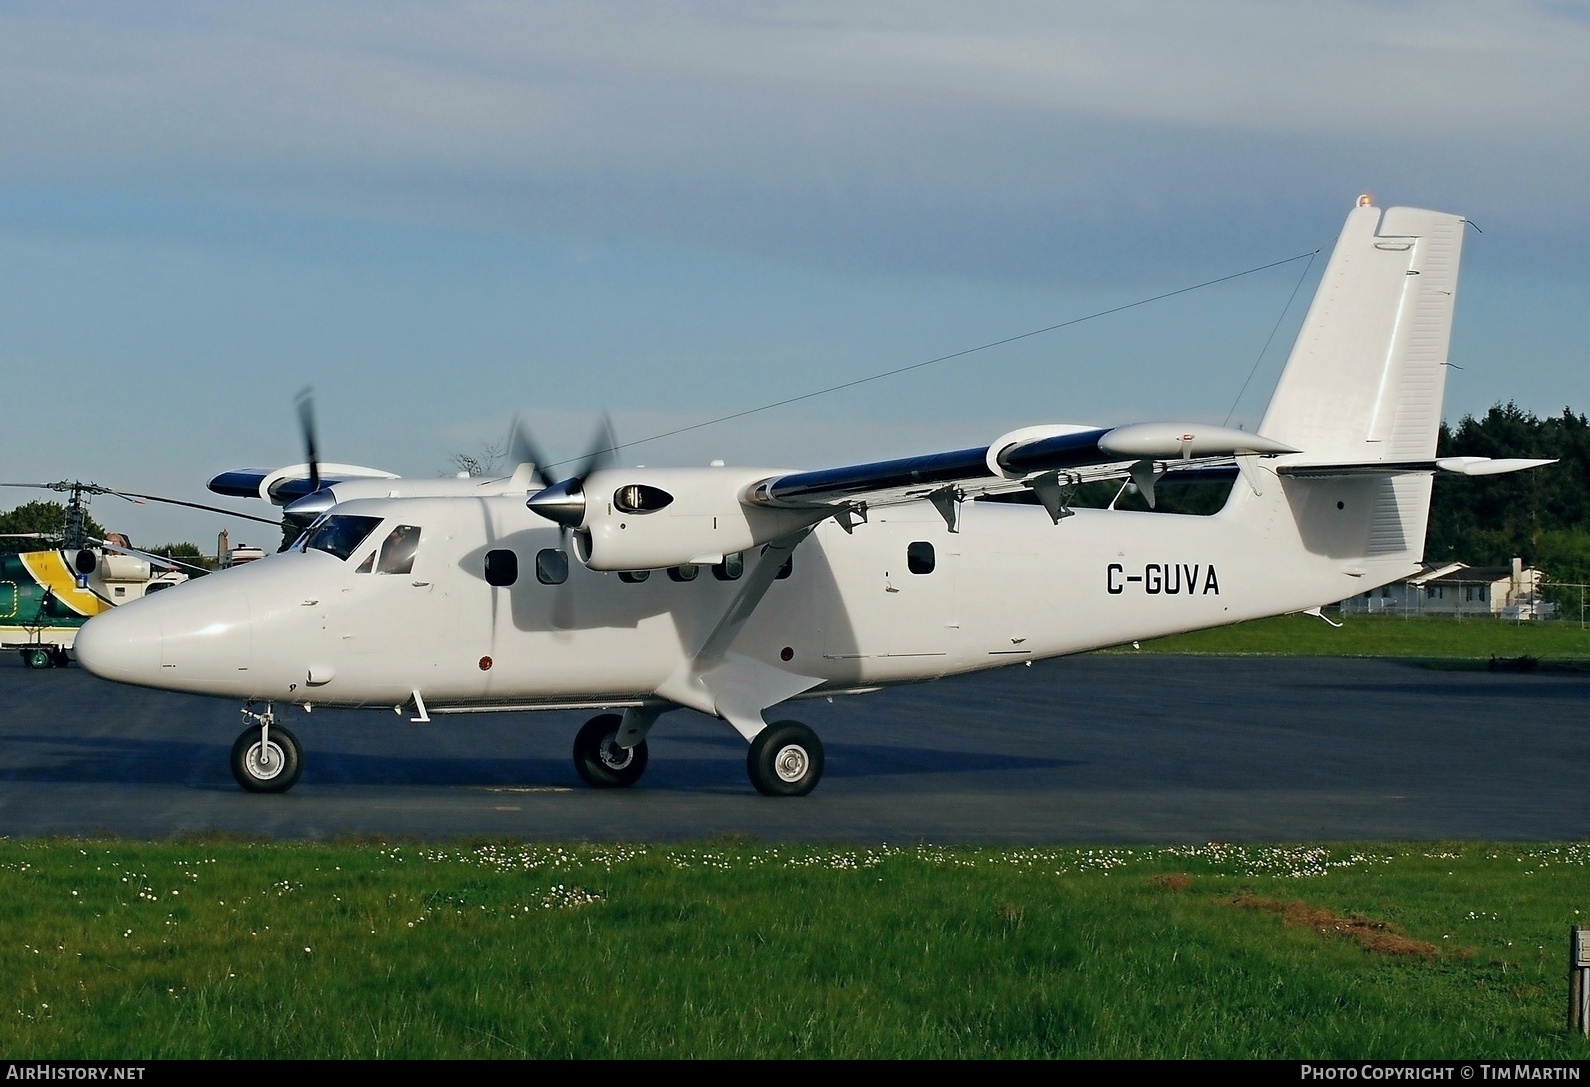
x,y
394,613
916,608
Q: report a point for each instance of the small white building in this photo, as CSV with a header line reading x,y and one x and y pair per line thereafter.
x,y
1457,589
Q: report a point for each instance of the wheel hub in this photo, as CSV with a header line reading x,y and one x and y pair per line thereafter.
x,y
614,757
791,763
267,764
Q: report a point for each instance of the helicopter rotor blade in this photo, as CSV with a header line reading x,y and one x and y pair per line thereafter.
x,y
192,505
157,560
137,497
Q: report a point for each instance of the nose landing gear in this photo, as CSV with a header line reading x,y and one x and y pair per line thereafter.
x,y
267,758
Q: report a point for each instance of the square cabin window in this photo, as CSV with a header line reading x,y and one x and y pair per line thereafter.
x,y
634,577
683,573
502,567
787,569
730,568
552,566
919,558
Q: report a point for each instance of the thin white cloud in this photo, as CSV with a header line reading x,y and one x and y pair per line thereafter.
x,y
488,87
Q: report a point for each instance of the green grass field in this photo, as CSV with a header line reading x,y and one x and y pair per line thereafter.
x,y
1381,636
208,949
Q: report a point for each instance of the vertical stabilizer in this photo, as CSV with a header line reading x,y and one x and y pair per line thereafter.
x,y
1365,379
1364,384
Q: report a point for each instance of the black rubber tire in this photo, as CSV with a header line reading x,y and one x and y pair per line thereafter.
x,y
59,659
38,657
598,759
786,759
245,761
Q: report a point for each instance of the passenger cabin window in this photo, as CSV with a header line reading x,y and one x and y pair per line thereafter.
x,y
634,577
730,568
787,569
157,586
683,573
552,566
639,498
397,550
919,557
341,535
502,567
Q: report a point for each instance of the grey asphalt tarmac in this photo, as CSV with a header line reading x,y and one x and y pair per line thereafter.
x,y
1098,749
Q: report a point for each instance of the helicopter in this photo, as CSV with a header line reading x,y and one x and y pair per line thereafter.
x,y
46,595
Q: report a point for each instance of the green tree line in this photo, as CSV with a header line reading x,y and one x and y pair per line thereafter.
x,y
1542,516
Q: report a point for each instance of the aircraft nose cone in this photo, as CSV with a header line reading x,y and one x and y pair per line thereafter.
x,y
562,503
121,645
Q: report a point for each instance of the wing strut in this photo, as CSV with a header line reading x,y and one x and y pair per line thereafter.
x,y
729,685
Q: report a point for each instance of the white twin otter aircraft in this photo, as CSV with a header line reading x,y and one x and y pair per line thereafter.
x,y
732,590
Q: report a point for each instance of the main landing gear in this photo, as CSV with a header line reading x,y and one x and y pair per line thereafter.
x,y
786,758
267,758
600,761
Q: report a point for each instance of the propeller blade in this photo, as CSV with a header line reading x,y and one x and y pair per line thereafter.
x,y
604,449
306,425
523,450
564,502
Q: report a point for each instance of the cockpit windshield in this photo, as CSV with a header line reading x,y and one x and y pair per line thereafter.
x,y
340,534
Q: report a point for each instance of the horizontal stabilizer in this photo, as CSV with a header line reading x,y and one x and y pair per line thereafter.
x,y
1466,466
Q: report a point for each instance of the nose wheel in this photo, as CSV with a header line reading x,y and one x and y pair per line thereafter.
x,y
600,761
266,758
786,759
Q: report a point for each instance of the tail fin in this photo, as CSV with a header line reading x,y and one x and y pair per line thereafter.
x,y
1364,383
1366,376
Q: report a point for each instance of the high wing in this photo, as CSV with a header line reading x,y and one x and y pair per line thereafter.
x,y
1045,460
284,486
1048,460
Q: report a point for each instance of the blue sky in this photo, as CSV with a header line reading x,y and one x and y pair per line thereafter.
x,y
439,214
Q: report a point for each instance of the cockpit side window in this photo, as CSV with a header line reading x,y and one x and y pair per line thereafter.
x,y
397,550
339,535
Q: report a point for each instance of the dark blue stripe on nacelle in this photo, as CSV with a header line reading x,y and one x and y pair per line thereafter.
x,y
1062,451
242,483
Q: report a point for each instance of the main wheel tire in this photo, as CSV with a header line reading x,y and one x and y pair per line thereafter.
x,y
598,759
37,657
275,770
786,759
59,659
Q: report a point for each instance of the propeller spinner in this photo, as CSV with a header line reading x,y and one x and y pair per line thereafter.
x,y
563,502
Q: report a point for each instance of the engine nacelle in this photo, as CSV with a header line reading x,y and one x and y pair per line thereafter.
x,y
653,518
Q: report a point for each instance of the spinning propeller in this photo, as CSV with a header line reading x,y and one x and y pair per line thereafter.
x,y
306,426
563,502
